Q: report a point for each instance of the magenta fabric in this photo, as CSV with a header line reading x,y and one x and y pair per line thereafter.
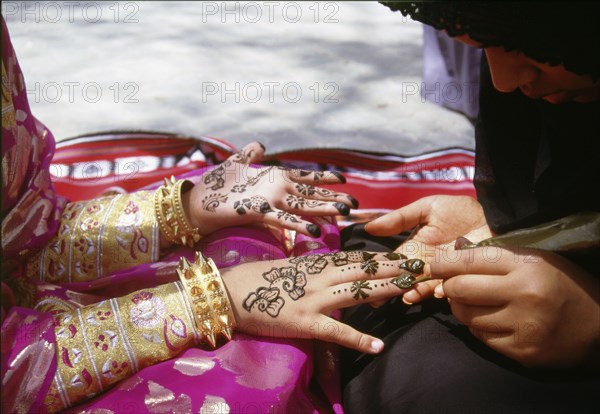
x,y
248,374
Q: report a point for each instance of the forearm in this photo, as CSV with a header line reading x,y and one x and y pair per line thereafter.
x,y
103,344
98,237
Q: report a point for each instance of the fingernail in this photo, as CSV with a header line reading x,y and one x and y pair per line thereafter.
x,y
313,229
377,346
265,208
438,292
406,301
354,201
339,177
342,208
262,146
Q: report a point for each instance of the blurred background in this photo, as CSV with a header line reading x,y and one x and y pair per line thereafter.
x,y
289,74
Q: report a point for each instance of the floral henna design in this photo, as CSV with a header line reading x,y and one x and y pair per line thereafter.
x,y
288,279
305,189
257,203
265,300
268,299
370,266
241,206
314,264
212,201
295,201
238,188
215,179
358,288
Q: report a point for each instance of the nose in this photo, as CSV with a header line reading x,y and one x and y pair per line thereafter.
x,y
510,70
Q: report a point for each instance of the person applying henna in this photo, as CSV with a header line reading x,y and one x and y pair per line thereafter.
x,y
518,326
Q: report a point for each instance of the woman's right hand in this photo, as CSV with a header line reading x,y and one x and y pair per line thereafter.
x,y
236,194
295,297
437,222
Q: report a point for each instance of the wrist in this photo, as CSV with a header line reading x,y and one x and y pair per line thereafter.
x,y
171,213
209,300
186,204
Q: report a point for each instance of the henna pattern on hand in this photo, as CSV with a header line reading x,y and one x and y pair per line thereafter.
x,y
413,265
404,281
212,201
215,177
254,180
242,205
295,201
395,256
370,266
358,288
268,299
305,189
265,300
257,203
287,217
238,188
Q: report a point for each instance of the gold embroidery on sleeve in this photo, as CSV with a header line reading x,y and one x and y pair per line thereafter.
x,y
105,343
98,237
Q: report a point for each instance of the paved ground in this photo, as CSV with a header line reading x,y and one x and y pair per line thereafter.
x,y
291,74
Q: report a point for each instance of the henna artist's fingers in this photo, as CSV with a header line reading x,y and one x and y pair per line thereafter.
x,y
315,177
283,219
251,154
322,194
331,330
421,291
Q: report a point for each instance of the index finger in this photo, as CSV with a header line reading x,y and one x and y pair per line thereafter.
x,y
400,220
488,260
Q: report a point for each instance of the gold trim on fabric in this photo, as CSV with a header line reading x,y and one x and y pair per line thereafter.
x,y
102,344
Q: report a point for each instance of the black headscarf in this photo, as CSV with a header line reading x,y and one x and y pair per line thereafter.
x,y
555,33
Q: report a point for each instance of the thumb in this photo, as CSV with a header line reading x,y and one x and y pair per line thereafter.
x,y
331,330
402,219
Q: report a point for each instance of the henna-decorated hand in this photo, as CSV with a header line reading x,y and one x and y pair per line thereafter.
x,y
437,221
295,297
235,193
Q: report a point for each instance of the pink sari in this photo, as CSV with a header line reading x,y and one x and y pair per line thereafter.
x,y
249,374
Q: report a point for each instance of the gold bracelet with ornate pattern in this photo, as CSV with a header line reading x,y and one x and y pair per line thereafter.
x,y
210,303
170,215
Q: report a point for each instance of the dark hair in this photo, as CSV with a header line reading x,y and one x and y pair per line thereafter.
x,y
554,33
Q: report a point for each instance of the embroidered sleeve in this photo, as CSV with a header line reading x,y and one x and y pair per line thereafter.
x,y
102,344
99,236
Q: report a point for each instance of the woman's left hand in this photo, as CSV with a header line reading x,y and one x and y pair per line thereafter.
x,y
294,297
236,193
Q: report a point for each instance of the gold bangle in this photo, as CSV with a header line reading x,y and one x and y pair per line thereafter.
x,y
170,215
210,303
